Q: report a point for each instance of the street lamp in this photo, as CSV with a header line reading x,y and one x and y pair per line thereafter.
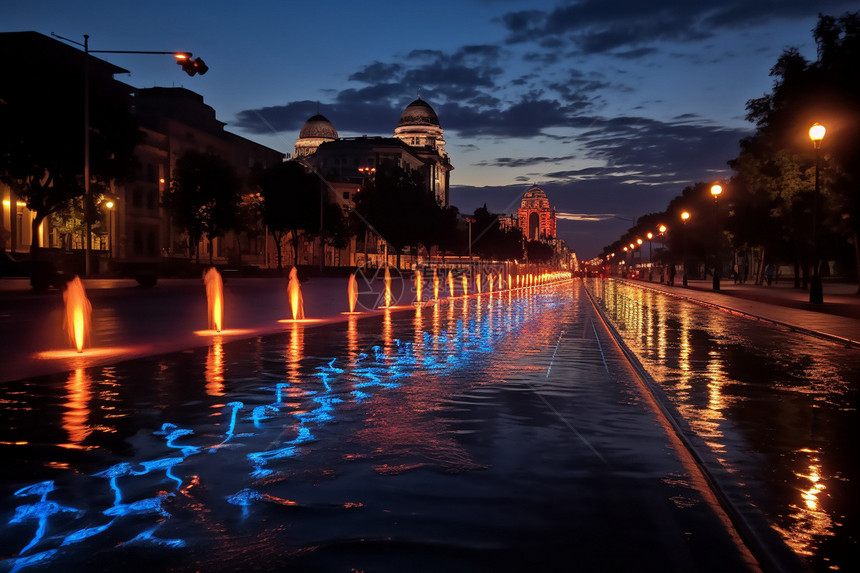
x,y
716,189
650,236
109,205
684,216
662,229
816,290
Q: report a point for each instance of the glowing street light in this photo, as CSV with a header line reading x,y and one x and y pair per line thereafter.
x,y
109,206
716,189
684,216
650,236
816,290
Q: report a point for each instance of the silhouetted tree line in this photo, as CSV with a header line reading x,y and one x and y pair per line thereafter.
x,y
769,204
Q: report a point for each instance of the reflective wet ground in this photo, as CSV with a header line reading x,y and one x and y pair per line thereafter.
x,y
502,433
779,408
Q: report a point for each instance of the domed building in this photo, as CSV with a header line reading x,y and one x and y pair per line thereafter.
x,y
316,130
419,127
535,216
417,145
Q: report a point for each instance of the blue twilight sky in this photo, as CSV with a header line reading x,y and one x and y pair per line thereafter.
x,y
611,106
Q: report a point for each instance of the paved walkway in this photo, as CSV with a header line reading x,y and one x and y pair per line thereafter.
x,y
838,318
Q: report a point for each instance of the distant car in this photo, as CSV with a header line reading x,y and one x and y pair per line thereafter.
x,y
42,274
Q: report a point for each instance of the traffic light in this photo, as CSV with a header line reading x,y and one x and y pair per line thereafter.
x,y
189,66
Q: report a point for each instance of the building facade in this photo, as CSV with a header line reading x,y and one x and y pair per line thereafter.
x,y
536,217
132,227
174,121
417,145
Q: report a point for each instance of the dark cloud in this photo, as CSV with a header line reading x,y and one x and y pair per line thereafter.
x,y
377,72
625,27
523,161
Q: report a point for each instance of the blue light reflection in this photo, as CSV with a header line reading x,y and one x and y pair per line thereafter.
x,y
354,377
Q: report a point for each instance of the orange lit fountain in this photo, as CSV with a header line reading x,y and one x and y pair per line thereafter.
x,y
294,293
450,284
386,294
78,310
76,323
465,280
419,286
215,305
215,298
435,285
478,282
352,294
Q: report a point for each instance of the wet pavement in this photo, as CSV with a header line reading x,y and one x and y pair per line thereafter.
x,y
500,432
773,397
837,318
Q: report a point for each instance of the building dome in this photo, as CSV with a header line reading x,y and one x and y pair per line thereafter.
x,y
418,112
534,192
318,127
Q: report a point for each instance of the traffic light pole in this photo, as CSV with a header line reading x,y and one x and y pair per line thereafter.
x,y
189,66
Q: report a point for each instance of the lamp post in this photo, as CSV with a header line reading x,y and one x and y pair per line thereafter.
x,y
684,216
109,205
716,189
662,229
816,289
650,236
189,66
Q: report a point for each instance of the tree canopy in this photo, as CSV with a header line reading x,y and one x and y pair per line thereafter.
x,y
490,241
204,197
291,197
397,206
42,138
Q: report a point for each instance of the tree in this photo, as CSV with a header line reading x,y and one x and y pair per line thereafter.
x,y
826,91
490,241
41,141
204,197
291,197
539,252
400,209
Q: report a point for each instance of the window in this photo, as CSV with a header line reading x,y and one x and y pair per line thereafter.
x,y
346,195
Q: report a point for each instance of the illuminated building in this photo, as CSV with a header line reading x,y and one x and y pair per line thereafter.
x,y
536,218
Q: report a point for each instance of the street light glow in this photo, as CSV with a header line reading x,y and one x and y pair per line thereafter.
x,y
716,189
685,215
816,134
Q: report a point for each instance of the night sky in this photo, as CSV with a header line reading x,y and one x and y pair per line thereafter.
x,y
611,106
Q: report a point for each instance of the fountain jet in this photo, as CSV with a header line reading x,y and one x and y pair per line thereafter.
x,y
78,310
352,292
386,295
215,297
294,290
419,286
